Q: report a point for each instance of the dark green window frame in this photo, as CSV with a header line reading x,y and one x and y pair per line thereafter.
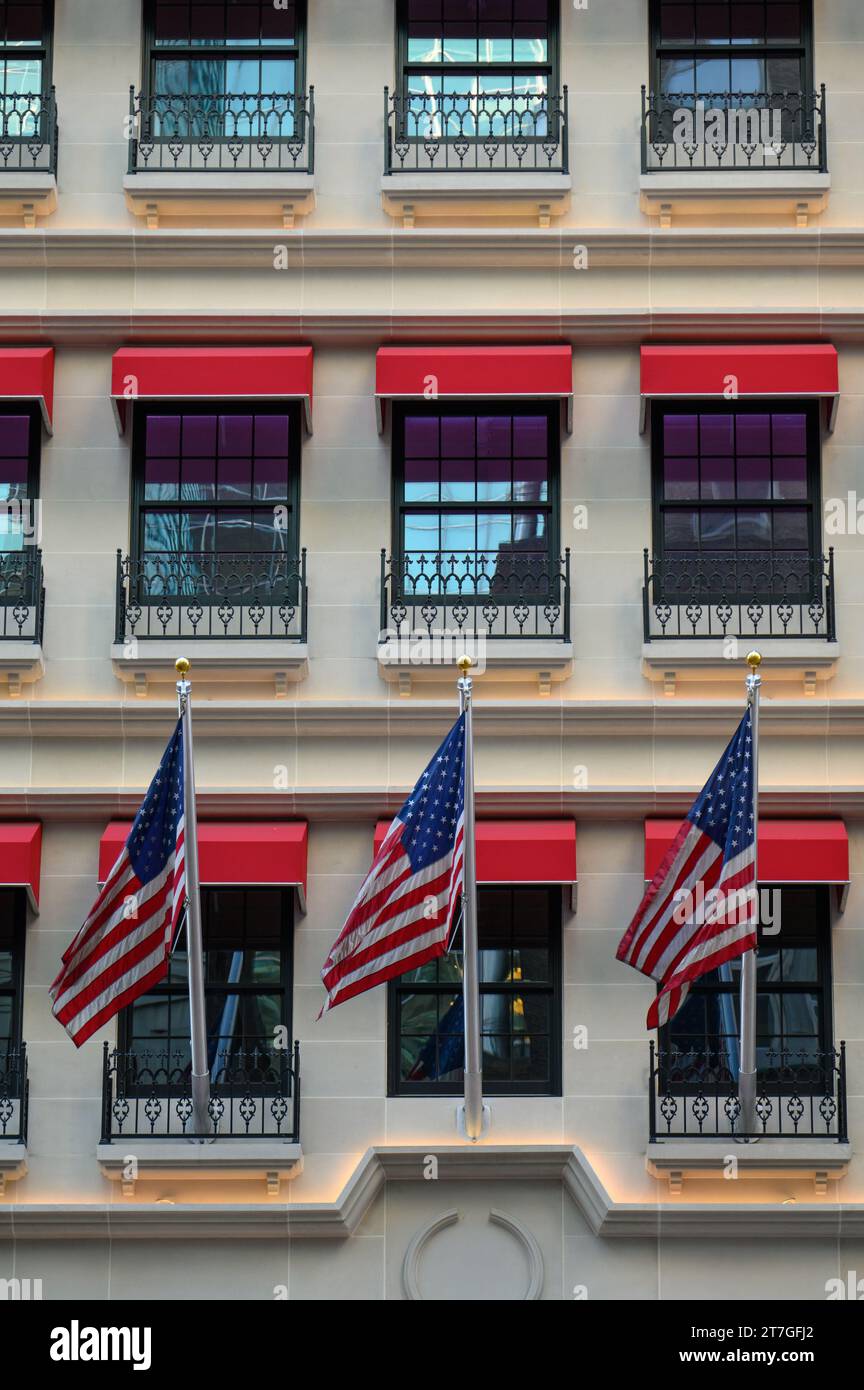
x,y
661,48
551,411
550,989
153,51
806,926
175,988
13,933
140,506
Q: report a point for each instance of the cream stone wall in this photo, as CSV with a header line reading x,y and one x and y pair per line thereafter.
x,y
606,747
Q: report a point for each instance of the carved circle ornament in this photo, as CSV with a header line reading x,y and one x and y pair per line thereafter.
x,y
526,1240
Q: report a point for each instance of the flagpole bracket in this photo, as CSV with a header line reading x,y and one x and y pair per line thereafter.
x,y
486,1123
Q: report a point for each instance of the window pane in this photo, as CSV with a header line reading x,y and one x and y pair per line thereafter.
x,y
754,478
677,22
790,529
718,479
748,22
163,436
712,23
161,480
199,435
784,22
790,478
716,434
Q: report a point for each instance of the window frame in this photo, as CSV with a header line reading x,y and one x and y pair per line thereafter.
x,y
551,68
138,457
824,988
125,1043
474,408
150,52
15,990
752,406
553,989
9,405
45,50
658,50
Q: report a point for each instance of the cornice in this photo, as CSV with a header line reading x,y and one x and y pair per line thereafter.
x,y
375,248
553,718
604,326
365,804
605,1217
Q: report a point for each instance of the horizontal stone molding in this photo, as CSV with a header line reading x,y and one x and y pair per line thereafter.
x,y
340,1219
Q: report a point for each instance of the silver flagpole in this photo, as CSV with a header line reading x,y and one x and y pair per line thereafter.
x,y
194,936
747,1060
470,1117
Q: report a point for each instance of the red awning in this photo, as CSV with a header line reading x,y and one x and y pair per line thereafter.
x,y
250,854
21,857
223,374
475,373
790,851
27,374
796,370
519,851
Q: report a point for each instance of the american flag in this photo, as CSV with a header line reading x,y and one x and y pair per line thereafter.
x,y
700,908
123,948
403,915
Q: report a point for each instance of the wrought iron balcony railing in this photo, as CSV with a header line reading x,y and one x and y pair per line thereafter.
x,y
14,1094
264,132
481,132
28,133
760,131
243,596
747,594
475,594
799,1095
255,1094
22,596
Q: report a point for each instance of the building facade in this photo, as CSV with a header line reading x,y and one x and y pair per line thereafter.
x,y
337,339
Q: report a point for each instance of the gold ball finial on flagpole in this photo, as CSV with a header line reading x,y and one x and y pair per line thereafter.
x,y
465,663
182,665
754,661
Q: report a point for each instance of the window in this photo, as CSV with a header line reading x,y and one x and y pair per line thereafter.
x,y
215,495
478,68
25,39
520,1003
12,927
732,47
477,499
20,438
793,1027
736,497
224,67
247,973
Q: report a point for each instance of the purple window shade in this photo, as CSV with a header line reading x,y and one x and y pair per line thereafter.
x,y
716,434
718,479
207,22
199,436
748,22
14,436
235,436
163,436
458,480
753,435
278,24
531,479
712,23
424,12
161,479
235,479
530,437
681,479
494,437
422,480
458,436
244,21
272,435
271,478
172,22
784,22
24,23
790,434
198,480
678,23
421,437
790,479
680,435
754,478
493,480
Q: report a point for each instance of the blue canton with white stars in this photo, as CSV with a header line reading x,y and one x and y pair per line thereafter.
x,y
432,811
153,837
724,807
